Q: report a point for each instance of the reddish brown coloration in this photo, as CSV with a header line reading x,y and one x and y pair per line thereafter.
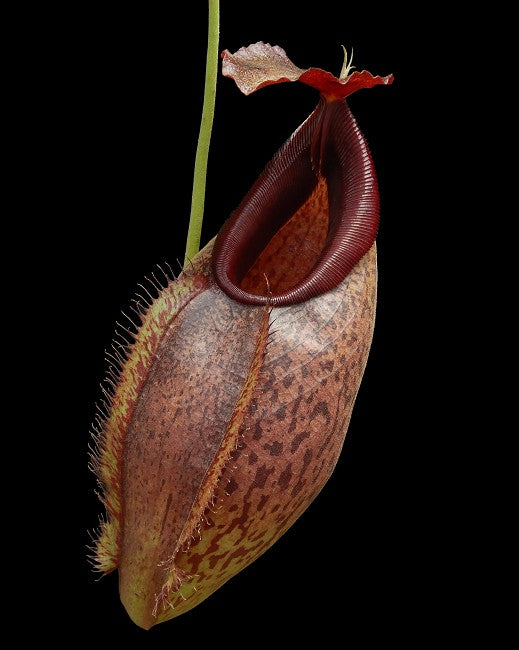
x,y
302,238
122,401
262,64
290,440
274,418
223,427
326,161
176,434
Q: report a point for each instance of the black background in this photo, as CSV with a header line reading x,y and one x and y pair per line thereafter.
x,y
363,559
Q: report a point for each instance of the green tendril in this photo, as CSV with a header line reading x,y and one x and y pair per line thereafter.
x,y
204,137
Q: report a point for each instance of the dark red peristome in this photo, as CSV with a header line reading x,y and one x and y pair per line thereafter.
x,y
313,212
328,145
222,429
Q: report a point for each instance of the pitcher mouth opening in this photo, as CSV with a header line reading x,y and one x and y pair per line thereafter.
x,y
292,253
307,220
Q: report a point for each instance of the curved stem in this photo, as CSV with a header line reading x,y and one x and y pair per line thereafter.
x,y
204,138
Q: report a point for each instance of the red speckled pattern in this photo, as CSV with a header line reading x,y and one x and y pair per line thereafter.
x,y
293,251
122,397
232,405
177,428
236,430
